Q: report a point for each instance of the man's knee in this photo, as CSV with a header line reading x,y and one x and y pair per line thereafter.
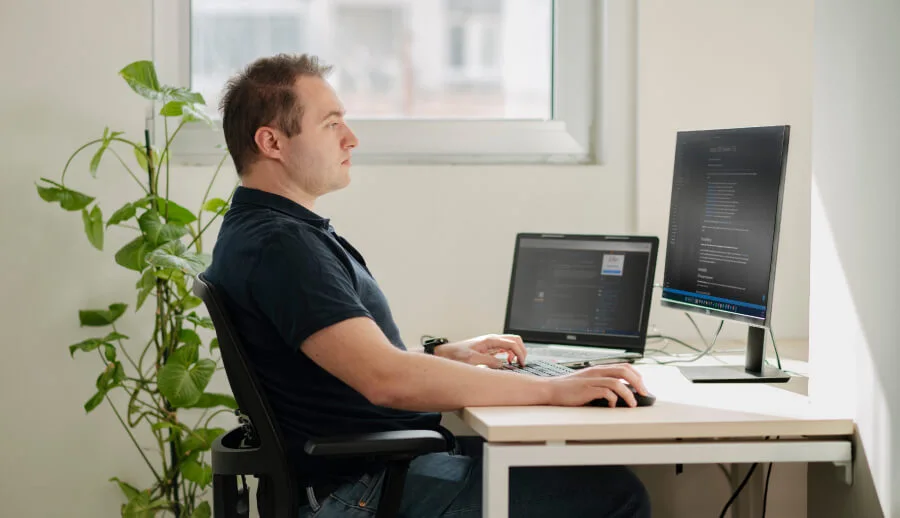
x,y
637,498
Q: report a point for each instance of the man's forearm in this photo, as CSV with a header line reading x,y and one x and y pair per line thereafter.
x,y
427,383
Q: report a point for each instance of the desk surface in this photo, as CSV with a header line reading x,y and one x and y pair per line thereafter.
x,y
683,410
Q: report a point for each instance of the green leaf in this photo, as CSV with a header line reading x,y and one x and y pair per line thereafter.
x,y
175,255
95,161
127,489
189,337
202,510
133,255
171,274
165,425
190,302
85,345
141,156
90,344
145,286
156,232
172,109
68,199
183,385
204,322
101,317
198,473
93,226
186,355
111,377
177,213
214,344
184,95
215,205
192,114
94,402
142,507
210,400
141,77
109,352
200,439
125,213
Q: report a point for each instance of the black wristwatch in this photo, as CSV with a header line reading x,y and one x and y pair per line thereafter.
x,y
431,343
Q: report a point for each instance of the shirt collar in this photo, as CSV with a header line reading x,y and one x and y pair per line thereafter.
x,y
246,195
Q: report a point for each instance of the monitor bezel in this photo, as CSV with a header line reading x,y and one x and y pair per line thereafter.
x,y
717,313
635,344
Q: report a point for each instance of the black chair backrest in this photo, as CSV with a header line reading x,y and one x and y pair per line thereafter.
x,y
248,392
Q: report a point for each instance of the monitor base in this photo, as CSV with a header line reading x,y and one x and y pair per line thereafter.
x,y
733,374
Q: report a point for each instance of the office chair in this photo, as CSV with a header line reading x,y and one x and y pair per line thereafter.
x,y
257,447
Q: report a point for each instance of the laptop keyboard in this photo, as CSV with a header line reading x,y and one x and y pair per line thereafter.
x,y
538,368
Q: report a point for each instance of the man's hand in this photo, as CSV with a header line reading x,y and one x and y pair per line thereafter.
x,y
601,381
481,350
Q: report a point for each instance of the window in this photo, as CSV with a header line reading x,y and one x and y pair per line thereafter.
x,y
436,81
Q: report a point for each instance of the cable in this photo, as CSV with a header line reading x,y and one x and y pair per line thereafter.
x,y
694,322
766,490
775,347
738,490
706,351
673,339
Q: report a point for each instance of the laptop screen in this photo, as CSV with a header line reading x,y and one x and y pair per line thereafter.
x,y
582,287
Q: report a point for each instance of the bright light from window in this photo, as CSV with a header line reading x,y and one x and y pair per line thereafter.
x,y
419,59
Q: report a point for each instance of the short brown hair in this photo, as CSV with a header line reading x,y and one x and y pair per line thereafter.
x,y
264,94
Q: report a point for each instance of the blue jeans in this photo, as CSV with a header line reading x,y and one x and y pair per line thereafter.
x,y
449,485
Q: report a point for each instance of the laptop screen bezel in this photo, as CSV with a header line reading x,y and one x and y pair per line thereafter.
x,y
627,343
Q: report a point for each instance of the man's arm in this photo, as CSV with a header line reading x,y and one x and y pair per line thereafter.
x,y
357,352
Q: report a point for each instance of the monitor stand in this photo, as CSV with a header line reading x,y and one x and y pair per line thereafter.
x,y
754,370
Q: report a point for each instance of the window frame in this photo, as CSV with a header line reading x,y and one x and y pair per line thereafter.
x,y
570,137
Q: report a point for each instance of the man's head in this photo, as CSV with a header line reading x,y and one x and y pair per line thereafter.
x,y
281,117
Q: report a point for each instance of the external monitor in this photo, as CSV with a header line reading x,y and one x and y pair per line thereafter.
x,y
723,236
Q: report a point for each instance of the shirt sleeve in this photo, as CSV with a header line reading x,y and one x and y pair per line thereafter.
x,y
301,286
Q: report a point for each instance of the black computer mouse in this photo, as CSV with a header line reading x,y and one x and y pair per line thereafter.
x,y
647,400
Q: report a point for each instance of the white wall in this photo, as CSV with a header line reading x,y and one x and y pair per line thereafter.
x,y
854,276
705,64
438,238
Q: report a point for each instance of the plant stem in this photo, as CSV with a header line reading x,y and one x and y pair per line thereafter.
x,y
166,154
113,151
214,414
202,203
140,450
218,213
62,179
122,347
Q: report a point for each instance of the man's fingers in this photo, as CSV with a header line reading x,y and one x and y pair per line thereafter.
x,y
623,392
625,372
515,343
610,397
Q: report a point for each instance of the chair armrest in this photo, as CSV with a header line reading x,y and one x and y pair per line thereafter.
x,y
405,442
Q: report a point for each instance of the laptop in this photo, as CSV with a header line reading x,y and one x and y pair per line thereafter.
x,y
581,300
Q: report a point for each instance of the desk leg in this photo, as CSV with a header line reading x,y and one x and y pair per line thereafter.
x,y
495,484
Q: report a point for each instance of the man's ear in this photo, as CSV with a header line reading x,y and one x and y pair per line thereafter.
x,y
268,142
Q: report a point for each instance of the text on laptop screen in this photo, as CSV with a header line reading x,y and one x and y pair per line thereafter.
x,y
586,287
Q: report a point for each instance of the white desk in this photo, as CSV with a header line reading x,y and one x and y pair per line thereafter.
x,y
689,424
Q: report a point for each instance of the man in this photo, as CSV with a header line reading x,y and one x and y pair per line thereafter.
x,y
320,334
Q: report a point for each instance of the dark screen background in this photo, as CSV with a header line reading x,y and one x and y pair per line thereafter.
x,y
722,218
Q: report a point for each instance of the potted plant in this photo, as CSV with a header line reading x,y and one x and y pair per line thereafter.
x,y
163,374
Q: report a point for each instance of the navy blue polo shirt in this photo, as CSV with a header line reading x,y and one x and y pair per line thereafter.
x,y
284,274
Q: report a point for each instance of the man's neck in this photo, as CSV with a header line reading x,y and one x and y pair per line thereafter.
x,y
279,185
